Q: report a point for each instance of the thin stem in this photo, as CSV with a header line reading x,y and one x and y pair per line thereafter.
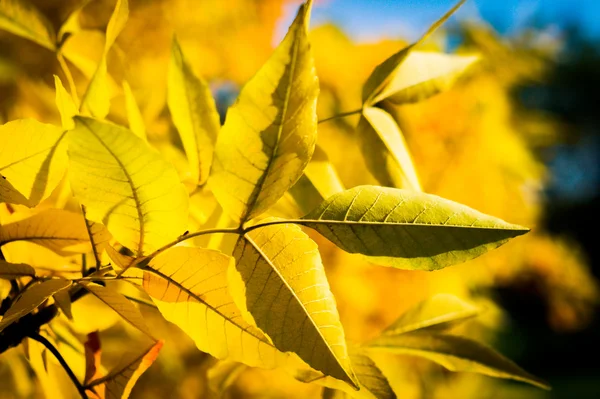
x,y
342,115
88,227
67,72
230,230
283,221
104,278
39,338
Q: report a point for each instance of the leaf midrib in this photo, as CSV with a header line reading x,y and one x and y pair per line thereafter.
x,y
134,192
291,290
261,181
200,300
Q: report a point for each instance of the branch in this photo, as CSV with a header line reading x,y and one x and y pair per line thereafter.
x,y
342,115
37,337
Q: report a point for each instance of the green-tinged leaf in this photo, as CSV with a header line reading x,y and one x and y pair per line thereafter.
x,y
439,312
408,229
64,103
385,72
373,384
63,301
21,18
126,185
270,132
119,382
117,302
385,150
96,100
423,75
194,114
9,271
32,166
456,354
56,229
31,299
288,296
223,375
190,288
134,116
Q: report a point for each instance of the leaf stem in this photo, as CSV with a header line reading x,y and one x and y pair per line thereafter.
x,y
230,230
42,340
342,115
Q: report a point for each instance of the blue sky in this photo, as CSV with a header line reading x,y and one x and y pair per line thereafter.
x,y
370,20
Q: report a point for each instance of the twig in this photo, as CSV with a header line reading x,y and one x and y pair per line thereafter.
x,y
342,115
39,338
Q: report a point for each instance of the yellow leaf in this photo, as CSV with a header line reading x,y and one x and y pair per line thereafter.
x,y
287,294
190,288
9,271
64,103
96,100
119,382
373,384
31,299
385,72
134,116
63,301
194,113
423,75
407,229
121,305
270,132
32,165
385,151
126,185
439,312
23,19
56,229
454,353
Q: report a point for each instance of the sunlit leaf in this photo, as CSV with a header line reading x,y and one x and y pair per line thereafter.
x,y
385,151
117,302
31,299
32,166
96,100
194,114
21,18
71,24
454,353
9,271
190,288
423,75
119,382
270,132
385,72
440,312
408,229
64,103
126,185
288,296
99,238
56,229
134,116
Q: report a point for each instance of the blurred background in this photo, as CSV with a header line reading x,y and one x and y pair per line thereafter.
x,y
517,137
